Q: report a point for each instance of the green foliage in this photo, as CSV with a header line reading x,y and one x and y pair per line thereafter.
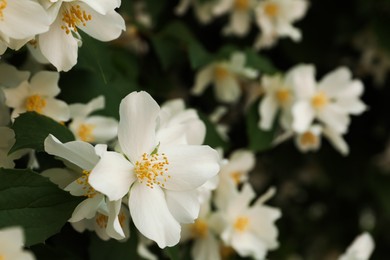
x,y
33,202
31,130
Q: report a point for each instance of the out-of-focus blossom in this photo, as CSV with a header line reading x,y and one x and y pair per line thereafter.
x,y
360,249
203,11
11,244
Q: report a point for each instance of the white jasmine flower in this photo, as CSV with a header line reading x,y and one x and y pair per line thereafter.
x,y
11,244
38,95
96,18
93,129
20,21
203,11
241,15
160,179
361,248
233,172
275,18
278,96
82,158
224,75
244,230
330,101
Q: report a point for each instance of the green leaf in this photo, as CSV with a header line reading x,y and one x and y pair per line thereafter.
x,y
31,129
172,252
114,249
259,62
33,202
259,140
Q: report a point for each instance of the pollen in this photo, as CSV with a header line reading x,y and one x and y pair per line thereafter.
x,y
241,5
152,169
199,229
236,176
3,5
241,224
83,181
319,100
308,139
35,103
85,132
220,73
271,9
73,17
101,220
122,218
283,96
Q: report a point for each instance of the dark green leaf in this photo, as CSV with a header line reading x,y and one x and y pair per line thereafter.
x,y
259,140
31,129
259,62
33,202
172,252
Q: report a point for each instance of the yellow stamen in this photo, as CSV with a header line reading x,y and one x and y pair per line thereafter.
x,y
83,180
241,5
3,5
308,139
220,73
101,220
73,17
152,169
241,224
271,9
35,103
199,229
283,96
2,257
85,132
122,219
236,176
319,100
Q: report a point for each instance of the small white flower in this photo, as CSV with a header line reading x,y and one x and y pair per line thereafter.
x,y
360,249
203,11
11,244
244,230
160,179
38,95
19,22
241,15
224,75
331,101
96,18
92,129
275,18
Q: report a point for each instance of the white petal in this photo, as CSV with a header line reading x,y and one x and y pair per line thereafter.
x,y
79,153
302,79
104,128
16,97
190,166
151,215
83,110
228,90
240,22
351,105
337,141
87,208
45,83
361,248
102,6
247,244
267,110
112,176
332,82
56,109
138,121
184,206
334,118
114,228
203,79
11,77
303,115
207,248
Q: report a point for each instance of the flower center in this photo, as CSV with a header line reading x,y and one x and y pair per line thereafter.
x,y
319,100
282,96
35,103
236,176
3,5
2,257
241,224
85,132
241,5
152,169
220,73
271,9
199,228
101,220
308,139
73,17
83,180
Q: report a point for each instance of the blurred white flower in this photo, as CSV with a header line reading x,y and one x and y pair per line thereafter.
x,y
20,21
360,249
225,76
98,19
275,18
11,244
92,129
331,101
38,95
215,118
160,177
81,158
203,11
247,233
